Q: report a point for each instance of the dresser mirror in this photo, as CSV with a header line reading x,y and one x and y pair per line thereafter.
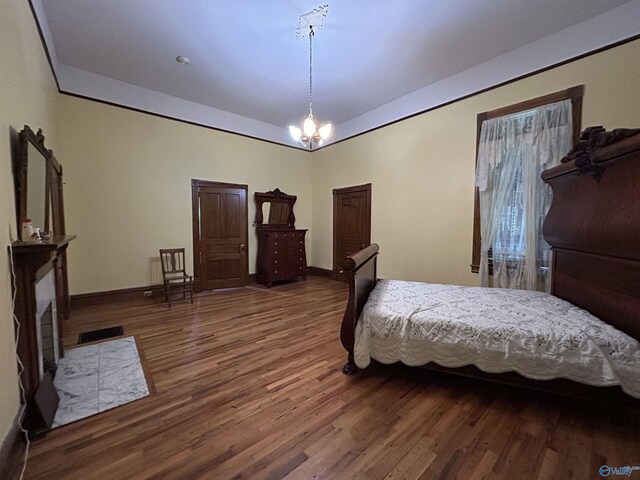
x,y
274,210
275,213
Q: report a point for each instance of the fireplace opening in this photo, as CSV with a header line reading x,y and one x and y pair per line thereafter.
x,y
49,360
47,325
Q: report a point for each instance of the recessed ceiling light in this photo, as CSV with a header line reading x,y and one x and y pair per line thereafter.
x,y
183,60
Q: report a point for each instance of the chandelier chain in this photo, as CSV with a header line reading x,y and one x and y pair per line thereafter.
x,y
311,134
311,34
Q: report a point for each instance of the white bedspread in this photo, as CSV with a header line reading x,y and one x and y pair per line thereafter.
x,y
497,330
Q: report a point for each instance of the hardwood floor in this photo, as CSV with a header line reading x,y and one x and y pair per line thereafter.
x,y
246,383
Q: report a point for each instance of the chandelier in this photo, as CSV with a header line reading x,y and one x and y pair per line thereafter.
x,y
310,134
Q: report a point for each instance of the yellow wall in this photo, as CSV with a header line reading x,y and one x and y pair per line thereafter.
x,y
422,169
128,188
27,96
128,178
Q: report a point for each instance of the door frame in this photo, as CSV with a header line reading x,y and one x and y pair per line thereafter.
x,y
197,254
336,192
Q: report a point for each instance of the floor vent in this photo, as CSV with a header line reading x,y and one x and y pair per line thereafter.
x,y
94,335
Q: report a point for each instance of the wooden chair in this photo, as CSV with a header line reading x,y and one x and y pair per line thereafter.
x,y
174,276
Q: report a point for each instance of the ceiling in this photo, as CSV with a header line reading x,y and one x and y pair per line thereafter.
x,y
375,61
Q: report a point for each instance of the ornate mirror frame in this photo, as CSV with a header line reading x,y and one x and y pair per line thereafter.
x,y
275,197
53,203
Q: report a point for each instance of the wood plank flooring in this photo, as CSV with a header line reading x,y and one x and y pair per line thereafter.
x,y
246,384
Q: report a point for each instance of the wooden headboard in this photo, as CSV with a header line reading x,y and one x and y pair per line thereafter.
x,y
593,226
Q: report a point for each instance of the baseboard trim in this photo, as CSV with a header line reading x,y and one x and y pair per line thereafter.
x,y
325,272
12,451
322,272
108,296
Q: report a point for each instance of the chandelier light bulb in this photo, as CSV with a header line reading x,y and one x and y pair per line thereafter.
x,y
309,126
325,131
295,132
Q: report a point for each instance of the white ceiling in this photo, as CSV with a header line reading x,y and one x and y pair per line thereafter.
x,y
375,61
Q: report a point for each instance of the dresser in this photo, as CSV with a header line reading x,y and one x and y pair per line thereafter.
x,y
281,250
281,255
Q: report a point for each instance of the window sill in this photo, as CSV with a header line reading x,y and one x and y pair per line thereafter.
x,y
476,268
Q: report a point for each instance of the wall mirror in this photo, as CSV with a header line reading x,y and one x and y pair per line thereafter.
x,y
275,209
38,184
37,205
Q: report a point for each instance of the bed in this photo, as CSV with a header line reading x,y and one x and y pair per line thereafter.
x,y
582,340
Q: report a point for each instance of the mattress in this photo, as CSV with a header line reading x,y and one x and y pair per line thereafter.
x,y
498,330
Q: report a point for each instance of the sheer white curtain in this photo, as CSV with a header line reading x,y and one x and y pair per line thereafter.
x,y
513,152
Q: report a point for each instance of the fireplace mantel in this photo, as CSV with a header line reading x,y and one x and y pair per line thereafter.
x,y
32,261
38,186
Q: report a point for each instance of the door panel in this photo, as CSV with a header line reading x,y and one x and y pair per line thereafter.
x,y
233,224
351,221
220,235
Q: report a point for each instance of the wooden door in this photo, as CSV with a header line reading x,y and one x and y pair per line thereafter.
x,y
220,233
351,222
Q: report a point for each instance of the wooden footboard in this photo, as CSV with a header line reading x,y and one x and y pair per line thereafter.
x,y
360,270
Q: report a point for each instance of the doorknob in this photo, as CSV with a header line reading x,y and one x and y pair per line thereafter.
x,y
242,248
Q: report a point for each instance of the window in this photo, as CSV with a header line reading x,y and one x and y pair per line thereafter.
x,y
513,145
